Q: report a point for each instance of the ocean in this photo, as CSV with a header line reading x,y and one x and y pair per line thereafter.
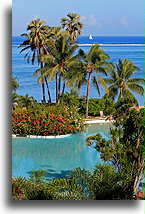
x,y
131,47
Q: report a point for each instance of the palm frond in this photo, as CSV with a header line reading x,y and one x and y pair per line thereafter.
x,y
72,50
128,93
135,87
128,69
113,91
95,82
108,81
25,49
100,69
102,82
136,80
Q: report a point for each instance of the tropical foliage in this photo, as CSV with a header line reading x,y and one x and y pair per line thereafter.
x,y
58,62
46,120
125,148
122,84
35,44
73,25
103,183
95,61
15,84
107,106
95,105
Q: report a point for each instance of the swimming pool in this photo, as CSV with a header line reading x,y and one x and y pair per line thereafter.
x,y
57,156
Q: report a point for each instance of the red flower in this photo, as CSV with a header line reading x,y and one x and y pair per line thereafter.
x,y
34,123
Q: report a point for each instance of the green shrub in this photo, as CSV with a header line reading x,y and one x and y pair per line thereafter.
x,y
97,105
103,183
70,99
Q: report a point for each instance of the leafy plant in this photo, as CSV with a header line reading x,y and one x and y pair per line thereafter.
x,y
104,183
125,148
121,83
97,105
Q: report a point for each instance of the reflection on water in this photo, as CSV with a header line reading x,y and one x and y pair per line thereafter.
x,y
56,156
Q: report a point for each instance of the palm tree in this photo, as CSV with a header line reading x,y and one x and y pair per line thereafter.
x,y
72,25
57,62
14,100
54,32
15,84
121,83
35,42
95,61
26,101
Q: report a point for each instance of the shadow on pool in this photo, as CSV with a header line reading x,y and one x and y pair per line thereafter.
x,y
52,174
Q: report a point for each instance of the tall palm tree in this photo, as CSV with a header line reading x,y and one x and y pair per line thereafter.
x,y
58,61
35,43
121,83
95,62
72,25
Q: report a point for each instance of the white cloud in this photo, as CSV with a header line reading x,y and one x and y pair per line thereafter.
x,y
36,17
123,21
93,21
90,20
83,18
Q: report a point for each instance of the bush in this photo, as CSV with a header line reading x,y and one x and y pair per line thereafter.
x,y
106,184
70,99
125,149
97,105
103,184
46,120
23,189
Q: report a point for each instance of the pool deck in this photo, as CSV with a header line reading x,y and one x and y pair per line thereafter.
x,y
42,137
98,120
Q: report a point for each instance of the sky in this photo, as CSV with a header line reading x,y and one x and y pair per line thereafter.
x,y
100,17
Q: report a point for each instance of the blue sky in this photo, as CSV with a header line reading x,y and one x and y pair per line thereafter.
x,y
100,17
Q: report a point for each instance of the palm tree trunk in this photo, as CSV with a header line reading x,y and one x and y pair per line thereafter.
x,y
63,88
87,94
56,88
43,88
59,84
49,96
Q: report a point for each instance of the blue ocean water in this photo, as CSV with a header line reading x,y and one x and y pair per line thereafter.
x,y
33,154
130,47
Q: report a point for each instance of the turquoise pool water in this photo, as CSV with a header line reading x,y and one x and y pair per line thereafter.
x,y
57,156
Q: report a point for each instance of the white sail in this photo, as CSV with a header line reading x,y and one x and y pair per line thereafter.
x,y
90,37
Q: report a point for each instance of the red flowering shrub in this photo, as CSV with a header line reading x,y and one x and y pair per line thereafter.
x,y
46,120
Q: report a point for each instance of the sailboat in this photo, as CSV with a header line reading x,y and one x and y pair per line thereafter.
x,y
90,37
